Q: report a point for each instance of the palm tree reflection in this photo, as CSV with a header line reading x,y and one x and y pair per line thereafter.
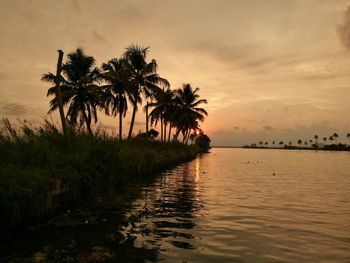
x,y
173,204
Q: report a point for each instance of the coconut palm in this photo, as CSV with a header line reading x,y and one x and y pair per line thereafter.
x,y
80,90
335,136
331,138
164,108
143,78
188,113
325,140
300,142
116,90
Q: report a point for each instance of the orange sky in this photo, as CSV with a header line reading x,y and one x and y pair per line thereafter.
x,y
270,70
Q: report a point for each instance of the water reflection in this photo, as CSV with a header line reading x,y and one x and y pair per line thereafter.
x,y
162,216
231,205
172,204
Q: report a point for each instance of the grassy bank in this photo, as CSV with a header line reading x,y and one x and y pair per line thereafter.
x,y
41,173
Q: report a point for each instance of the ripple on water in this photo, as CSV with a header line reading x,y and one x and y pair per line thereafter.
x,y
236,211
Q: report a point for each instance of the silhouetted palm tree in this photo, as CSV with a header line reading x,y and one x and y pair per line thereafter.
x,y
325,140
188,113
316,138
300,142
116,91
143,78
331,138
335,136
80,90
164,109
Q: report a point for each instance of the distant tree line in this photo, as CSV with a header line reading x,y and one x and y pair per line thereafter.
x,y
313,143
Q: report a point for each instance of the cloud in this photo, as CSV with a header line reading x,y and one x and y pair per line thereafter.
x,y
268,128
343,29
12,109
76,5
97,36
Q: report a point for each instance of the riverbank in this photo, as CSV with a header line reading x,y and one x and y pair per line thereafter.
x,y
43,174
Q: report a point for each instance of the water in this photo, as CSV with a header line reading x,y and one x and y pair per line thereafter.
x,y
232,205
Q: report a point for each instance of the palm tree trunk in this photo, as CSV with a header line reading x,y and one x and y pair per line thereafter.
x,y
132,120
169,131
120,126
120,121
164,139
161,128
147,117
188,136
177,134
184,137
87,122
59,93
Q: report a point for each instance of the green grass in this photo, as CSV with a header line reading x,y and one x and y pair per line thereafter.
x,y
41,173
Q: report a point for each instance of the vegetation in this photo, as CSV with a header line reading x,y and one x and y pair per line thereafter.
x,y
203,142
122,82
310,144
44,170
41,174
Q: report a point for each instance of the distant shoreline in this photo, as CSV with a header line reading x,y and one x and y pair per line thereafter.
x,y
287,148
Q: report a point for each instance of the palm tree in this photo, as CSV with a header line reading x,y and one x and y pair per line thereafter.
x,y
325,140
335,136
188,113
348,136
300,142
273,142
116,90
164,109
143,78
316,138
331,138
80,90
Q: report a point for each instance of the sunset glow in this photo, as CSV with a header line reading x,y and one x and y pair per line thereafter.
x,y
270,70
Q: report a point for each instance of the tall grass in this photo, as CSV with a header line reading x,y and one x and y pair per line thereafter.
x,y
42,173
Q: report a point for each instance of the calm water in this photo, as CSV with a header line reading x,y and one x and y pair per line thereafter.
x,y
232,205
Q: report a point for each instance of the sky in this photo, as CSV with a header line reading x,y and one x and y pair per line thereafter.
x,y
270,70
